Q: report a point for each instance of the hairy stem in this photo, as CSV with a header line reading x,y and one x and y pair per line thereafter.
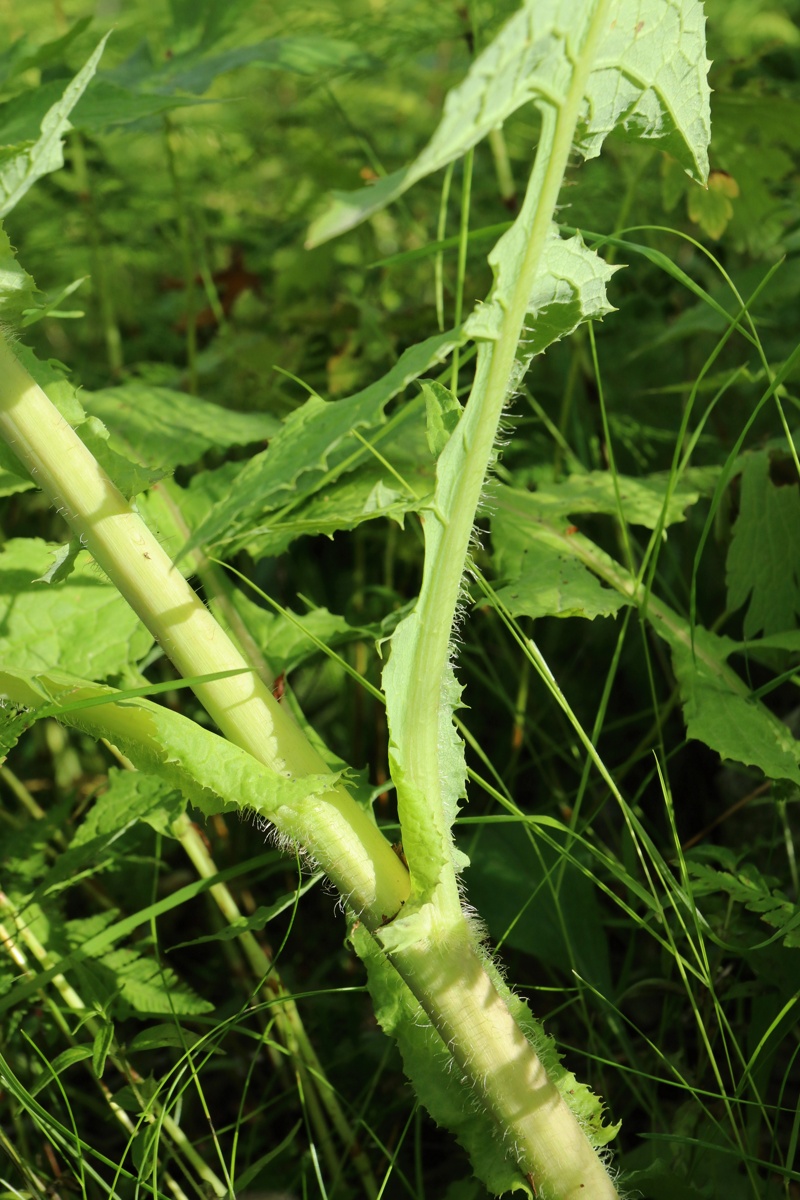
x,y
363,865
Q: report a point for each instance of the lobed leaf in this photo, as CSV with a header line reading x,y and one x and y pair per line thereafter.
x,y
763,563
649,76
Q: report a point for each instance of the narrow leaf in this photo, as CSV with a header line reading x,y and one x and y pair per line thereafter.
x,y
19,174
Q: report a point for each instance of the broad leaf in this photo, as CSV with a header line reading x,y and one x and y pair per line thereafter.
x,y
722,715
81,625
649,76
764,556
164,428
555,585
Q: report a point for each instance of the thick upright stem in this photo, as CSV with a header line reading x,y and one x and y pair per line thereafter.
x,y
533,1120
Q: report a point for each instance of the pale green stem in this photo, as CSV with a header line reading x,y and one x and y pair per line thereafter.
x,y
346,842
450,979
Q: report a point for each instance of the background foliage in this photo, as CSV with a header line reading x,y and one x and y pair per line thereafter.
x,y
656,930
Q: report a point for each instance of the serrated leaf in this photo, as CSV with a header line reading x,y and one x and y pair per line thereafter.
x,y
315,440
131,796
641,502
569,289
63,563
649,76
211,772
731,723
82,624
47,153
165,428
763,560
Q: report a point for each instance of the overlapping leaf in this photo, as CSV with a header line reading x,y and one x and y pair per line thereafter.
x,y
315,441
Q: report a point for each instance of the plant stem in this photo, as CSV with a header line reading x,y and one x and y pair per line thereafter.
x,y
347,843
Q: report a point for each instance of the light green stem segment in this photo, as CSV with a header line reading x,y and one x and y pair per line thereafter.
x,y
542,1134
537,1127
346,842
470,449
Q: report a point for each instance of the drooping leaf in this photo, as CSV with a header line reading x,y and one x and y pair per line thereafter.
x,y
763,561
649,76
19,172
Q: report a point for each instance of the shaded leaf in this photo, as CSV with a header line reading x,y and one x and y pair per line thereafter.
x,y
165,428
314,440
763,561
555,585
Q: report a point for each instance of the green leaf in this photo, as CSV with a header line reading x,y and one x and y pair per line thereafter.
x,y
313,442
103,1040
82,624
17,289
19,173
289,641
257,920
536,901
746,885
729,721
165,428
67,1058
569,289
650,77
102,106
131,796
443,412
550,584
21,57
641,502
209,771
764,555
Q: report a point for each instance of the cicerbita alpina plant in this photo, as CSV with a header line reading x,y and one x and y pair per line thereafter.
x,y
476,1057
